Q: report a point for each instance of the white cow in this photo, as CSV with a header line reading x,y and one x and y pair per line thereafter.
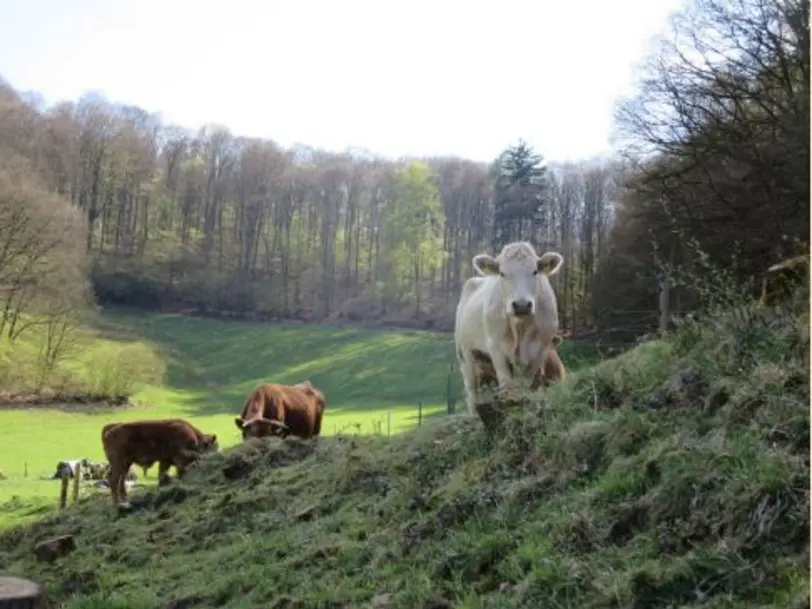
x,y
509,312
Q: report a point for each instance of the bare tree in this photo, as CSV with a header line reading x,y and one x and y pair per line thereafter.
x,y
718,136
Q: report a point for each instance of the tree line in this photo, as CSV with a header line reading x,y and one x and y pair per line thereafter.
x,y
214,222
106,200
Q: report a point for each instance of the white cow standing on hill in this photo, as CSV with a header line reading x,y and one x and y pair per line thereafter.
x,y
509,312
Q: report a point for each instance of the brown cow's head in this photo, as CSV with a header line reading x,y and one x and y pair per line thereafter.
x,y
260,427
520,271
208,443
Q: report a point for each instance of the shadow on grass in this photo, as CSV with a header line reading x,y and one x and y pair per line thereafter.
x,y
214,365
429,417
578,354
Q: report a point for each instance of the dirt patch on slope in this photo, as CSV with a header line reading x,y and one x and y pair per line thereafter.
x,y
68,402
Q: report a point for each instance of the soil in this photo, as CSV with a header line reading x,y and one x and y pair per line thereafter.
x,y
68,402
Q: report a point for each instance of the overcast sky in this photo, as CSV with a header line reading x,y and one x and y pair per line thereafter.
x,y
407,78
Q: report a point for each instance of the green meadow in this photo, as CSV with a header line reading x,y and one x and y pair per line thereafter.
x,y
202,370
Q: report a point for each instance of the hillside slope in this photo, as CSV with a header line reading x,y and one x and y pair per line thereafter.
x,y
676,475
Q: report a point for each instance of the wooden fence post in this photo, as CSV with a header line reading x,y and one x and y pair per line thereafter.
x,y
388,422
63,492
664,303
77,480
420,413
450,400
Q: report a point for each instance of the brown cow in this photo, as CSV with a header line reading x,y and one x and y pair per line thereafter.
x,y
167,441
553,369
274,409
144,468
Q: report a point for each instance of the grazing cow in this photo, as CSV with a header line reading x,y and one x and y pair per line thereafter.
x,y
101,471
274,409
168,441
95,471
509,312
554,369
69,468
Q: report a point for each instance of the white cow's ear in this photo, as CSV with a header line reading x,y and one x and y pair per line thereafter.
x,y
485,265
550,263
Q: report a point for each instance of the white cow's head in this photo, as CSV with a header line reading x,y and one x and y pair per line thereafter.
x,y
521,272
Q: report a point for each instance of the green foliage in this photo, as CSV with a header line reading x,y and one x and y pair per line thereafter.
x,y
519,194
413,229
674,475
89,363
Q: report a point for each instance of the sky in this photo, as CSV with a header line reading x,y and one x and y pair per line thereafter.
x,y
440,77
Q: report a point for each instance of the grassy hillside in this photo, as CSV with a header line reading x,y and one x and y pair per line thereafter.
x,y
676,475
202,370
90,361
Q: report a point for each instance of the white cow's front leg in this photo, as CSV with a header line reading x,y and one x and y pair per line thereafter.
x,y
469,381
502,367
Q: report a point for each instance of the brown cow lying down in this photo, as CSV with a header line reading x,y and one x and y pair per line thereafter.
x,y
553,369
274,409
167,441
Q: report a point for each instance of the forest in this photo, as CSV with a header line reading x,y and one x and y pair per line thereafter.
x,y
105,203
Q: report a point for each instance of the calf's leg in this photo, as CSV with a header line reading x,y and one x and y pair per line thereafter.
x,y
122,486
118,473
163,472
112,483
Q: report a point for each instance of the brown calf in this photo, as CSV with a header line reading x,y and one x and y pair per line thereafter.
x,y
168,441
274,409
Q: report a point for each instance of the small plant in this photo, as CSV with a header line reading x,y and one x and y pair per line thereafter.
x,y
119,372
